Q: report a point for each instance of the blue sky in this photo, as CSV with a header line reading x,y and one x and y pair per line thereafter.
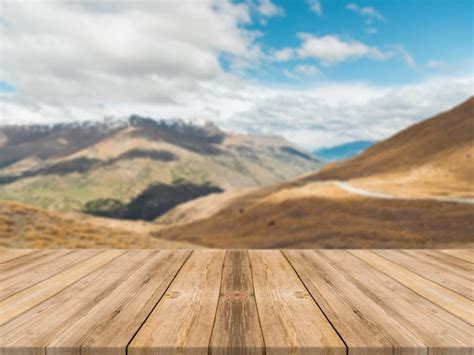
x,y
436,34
318,72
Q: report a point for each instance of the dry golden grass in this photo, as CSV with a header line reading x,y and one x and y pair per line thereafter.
x,y
432,158
200,208
452,175
243,162
276,219
27,227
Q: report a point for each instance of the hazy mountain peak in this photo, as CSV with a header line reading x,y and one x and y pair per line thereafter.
x,y
343,151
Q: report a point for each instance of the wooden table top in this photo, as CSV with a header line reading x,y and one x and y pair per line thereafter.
x,y
236,302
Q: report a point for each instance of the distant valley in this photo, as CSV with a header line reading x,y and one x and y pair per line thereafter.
x,y
94,165
199,186
343,151
432,159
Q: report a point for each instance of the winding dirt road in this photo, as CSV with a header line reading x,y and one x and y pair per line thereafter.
x,y
351,189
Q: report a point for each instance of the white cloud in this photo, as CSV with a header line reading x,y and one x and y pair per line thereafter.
x,y
302,71
330,114
370,13
269,9
289,74
307,70
80,60
403,53
330,49
315,6
323,115
371,30
284,54
67,53
439,65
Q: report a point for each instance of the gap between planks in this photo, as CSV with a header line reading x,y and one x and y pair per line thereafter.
x,y
315,301
453,302
232,320
158,301
376,260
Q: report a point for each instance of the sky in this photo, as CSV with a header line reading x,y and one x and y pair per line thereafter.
x,y
318,72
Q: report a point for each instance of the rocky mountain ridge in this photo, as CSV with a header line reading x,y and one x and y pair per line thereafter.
x,y
65,166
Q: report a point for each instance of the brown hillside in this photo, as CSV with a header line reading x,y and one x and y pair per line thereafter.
x,y
315,216
431,158
432,140
22,226
64,167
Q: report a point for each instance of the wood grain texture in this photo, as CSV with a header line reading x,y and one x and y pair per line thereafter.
x,y
30,297
433,270
455,265
290,320
440,330
464,254
96,302
349,309
42,269
110,325
27,263
9,254
443,297
183,320
237,258
31,332
237,329
23,261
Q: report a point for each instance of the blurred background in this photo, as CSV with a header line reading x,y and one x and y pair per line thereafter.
x,y
236,124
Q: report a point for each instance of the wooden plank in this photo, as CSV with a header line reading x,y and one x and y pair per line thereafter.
x,y
31,332
360,321
237,329
183,320
427,267
290,319
29,262
463,254
455,265
110,325
236,304
440,330
9,254
41,270
24,260
445,298
30,297
26,264
237,258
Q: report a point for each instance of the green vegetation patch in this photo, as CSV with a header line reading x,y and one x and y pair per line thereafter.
x,y
151,203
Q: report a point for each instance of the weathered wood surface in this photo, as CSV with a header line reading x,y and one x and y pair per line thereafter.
x,y
236,302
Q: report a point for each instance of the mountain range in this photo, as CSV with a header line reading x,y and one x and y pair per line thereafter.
x,y
432,158
413,190
342,151
108,168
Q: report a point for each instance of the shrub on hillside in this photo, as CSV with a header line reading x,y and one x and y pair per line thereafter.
x,y
106,207
151,203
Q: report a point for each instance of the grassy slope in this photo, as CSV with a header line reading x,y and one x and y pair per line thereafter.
x,y
322,219
127,178
436,154
27,227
